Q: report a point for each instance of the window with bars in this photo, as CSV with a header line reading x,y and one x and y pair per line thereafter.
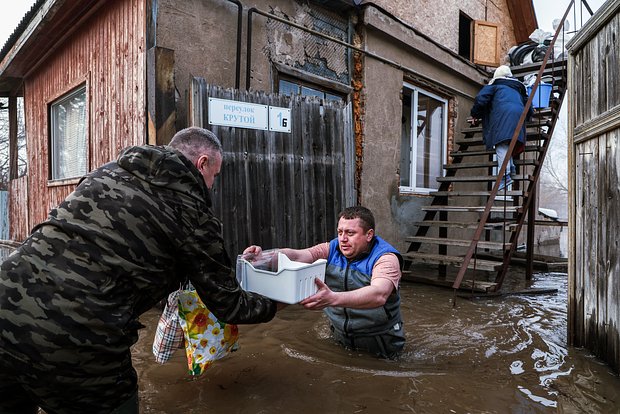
x,y
69,140
297,87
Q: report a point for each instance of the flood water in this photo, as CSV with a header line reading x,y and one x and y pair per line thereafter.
x,y
508,354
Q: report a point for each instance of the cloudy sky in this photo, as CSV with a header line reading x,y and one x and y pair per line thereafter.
x,y
549,10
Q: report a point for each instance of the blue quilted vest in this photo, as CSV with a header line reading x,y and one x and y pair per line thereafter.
x,y
344,275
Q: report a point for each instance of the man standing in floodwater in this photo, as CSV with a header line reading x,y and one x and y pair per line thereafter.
x,y
361,294
71,294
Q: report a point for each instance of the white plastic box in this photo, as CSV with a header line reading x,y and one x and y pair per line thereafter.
x,y
292,283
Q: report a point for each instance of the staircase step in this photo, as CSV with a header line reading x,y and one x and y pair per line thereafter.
x,y
544,112
477,286
537,123
558,66
472,153
526,162
472,209
486,265
480,178
554,102
557,77
477,140
490,245
512,193
467,153
486,164
557,81
462,224
466,165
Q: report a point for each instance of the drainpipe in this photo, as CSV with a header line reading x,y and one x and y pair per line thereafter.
x,y
238,59
248,45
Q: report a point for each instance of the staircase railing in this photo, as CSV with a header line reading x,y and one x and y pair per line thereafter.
x,y
528,198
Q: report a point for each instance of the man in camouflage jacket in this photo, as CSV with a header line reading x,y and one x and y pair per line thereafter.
x,y
71,295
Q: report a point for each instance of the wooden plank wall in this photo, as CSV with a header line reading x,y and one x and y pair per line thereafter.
x,y
19,225
594,125
280,189
4,215
611,233
107,53
597,264
596,86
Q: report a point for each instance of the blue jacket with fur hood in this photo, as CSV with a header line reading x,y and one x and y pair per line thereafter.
x,y
500,105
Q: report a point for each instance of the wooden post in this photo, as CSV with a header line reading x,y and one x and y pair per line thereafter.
x,y
13,152
160,95
531,228
443,249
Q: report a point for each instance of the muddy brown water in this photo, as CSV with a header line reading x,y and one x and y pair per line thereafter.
x,y
501,355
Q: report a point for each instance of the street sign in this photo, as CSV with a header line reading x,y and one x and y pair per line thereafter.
x,y
239,114
279,119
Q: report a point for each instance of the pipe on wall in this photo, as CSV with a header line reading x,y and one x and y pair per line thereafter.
x,y
238,58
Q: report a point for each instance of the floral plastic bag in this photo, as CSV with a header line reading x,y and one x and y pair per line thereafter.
x,y
206,338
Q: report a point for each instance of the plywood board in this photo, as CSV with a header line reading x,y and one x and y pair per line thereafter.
x,y
486,43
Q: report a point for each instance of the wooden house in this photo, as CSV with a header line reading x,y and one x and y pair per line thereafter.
x,y
98,75
594,219
80,67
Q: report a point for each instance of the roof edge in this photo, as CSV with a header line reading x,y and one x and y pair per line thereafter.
x,y
523,17
20,29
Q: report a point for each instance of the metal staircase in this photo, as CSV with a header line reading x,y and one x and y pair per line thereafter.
x,y
474,227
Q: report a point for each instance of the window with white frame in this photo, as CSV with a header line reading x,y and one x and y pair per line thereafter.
x,y
69,141
423,144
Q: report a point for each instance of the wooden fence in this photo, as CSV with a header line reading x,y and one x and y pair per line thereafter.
x,y
4,215
594,218
281,189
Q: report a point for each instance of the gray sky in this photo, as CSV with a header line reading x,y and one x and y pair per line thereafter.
x,y
549,10
11,15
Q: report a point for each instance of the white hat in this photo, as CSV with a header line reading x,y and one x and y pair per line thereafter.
x,y
502,72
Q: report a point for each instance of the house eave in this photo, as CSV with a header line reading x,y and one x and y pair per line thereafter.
x,y
523,19
48,26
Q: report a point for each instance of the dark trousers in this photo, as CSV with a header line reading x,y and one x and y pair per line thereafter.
x,y
24,388
386,345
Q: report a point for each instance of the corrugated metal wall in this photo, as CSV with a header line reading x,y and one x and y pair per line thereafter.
x,y
281,189
108,54
594,123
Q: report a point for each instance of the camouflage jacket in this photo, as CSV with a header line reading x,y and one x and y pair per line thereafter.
x,y
129,234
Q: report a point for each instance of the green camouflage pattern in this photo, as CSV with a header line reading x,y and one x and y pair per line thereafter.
x,y
129,234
